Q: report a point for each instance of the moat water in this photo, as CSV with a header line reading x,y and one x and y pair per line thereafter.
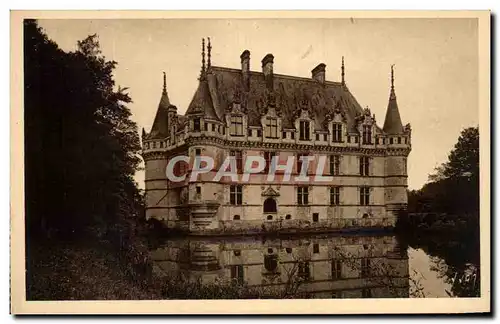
x,y
329,266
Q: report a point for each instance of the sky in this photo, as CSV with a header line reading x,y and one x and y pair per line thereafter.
x,y
436,65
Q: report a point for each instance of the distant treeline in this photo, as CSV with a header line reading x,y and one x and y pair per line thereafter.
x,y
454,188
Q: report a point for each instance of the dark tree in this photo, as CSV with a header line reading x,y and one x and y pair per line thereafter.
x,y
81,148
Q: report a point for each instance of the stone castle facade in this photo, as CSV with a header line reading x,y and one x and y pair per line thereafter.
x,y
244,113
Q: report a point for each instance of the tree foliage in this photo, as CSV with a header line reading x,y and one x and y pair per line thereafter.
x,y
81,147
444,216
454,188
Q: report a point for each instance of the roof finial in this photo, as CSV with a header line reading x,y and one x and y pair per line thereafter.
x,y
392,76
393,93
164,82
209,48
202,57
343,71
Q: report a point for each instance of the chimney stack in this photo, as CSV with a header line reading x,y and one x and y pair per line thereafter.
x,y
245,69
267,69
318,73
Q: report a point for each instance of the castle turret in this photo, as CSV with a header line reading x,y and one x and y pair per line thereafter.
x,y
398,148
160,125
154,146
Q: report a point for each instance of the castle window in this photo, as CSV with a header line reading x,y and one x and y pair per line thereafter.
x,y
197,152
259,132
292,135
334,165
161,144
356,139
271,262
406,140
236,217
336,269
391,140
366,293
270,206
213,127
235,195
299,161
288,250
325,137
364,196
399,140
271,128
335,196
304,131
154,145
205,126
198,190
317,136
315,217
367,134
236,126
196,125
237,273
364,165
304,270
302,195
283,134
288,216
268,157
249,132
365,268
238,157
337,133
237,252
316,248
269,217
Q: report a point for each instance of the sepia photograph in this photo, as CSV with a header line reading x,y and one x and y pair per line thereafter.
x,y
308,162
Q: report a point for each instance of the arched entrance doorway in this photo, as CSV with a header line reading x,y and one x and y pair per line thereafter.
x,y
270,206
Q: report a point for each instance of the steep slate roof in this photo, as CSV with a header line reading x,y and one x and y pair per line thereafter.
x,y
392,123
160,127
220,86
289,90
202,101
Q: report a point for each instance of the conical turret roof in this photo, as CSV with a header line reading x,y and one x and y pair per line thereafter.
x,y
160,124
392,123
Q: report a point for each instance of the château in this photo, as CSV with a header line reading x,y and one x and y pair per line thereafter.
x,y
243,113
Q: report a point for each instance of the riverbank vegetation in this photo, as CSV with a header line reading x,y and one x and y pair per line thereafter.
x,y
81,153
443,216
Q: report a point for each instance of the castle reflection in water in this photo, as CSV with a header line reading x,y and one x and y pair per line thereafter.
x,y
306,267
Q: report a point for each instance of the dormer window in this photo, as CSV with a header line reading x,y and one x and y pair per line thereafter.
x,y
337,133
236,126
304,131
196,125
367,134
271,128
